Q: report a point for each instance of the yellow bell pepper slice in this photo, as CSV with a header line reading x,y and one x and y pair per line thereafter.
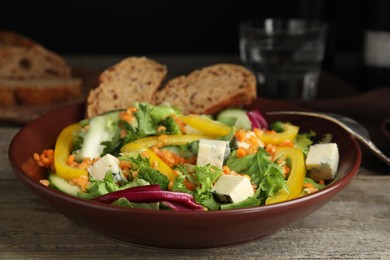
x,y
154,159
206,125
297,175
170,140
289,133
62,151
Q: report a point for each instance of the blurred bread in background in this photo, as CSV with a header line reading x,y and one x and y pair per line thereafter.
x,y
30,74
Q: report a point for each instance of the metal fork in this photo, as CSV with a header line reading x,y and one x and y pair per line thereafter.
x,y
348,124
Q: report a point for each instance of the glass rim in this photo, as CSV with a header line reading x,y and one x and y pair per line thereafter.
x,y
260,25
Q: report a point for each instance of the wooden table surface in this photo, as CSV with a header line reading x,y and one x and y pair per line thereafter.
x,y
353,225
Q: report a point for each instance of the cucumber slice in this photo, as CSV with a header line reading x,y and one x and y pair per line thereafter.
x,y
101,129
230,121
235,117
63,185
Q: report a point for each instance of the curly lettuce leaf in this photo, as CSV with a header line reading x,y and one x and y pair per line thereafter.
x,y
178,183
148,119
265,174
146,123
203,178
107,185
303,141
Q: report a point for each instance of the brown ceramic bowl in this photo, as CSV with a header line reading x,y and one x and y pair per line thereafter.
x,y
177,229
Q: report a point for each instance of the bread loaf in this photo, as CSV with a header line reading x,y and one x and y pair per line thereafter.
x,y
31,74
209,90
134,79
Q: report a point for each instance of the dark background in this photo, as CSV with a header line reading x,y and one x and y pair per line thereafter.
x,y
177,27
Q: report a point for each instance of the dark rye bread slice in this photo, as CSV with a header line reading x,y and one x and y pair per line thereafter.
x,y
134,79
209,90
38,91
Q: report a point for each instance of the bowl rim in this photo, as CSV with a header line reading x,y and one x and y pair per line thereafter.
x,y
340,183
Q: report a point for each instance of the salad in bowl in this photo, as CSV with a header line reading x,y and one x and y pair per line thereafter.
x,y
155,157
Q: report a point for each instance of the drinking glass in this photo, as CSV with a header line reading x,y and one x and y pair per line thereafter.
x,y
285,55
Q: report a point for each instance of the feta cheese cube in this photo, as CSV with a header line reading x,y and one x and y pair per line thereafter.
x,y
322,161
235,187
108,162
211,152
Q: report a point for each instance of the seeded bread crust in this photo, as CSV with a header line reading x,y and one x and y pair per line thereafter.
x,y
14,39
134,79
30,74
210,90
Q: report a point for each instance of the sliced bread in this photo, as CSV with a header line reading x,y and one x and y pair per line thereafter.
x,y
38,91
134,79
34,62
31,74
209,90
23,58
